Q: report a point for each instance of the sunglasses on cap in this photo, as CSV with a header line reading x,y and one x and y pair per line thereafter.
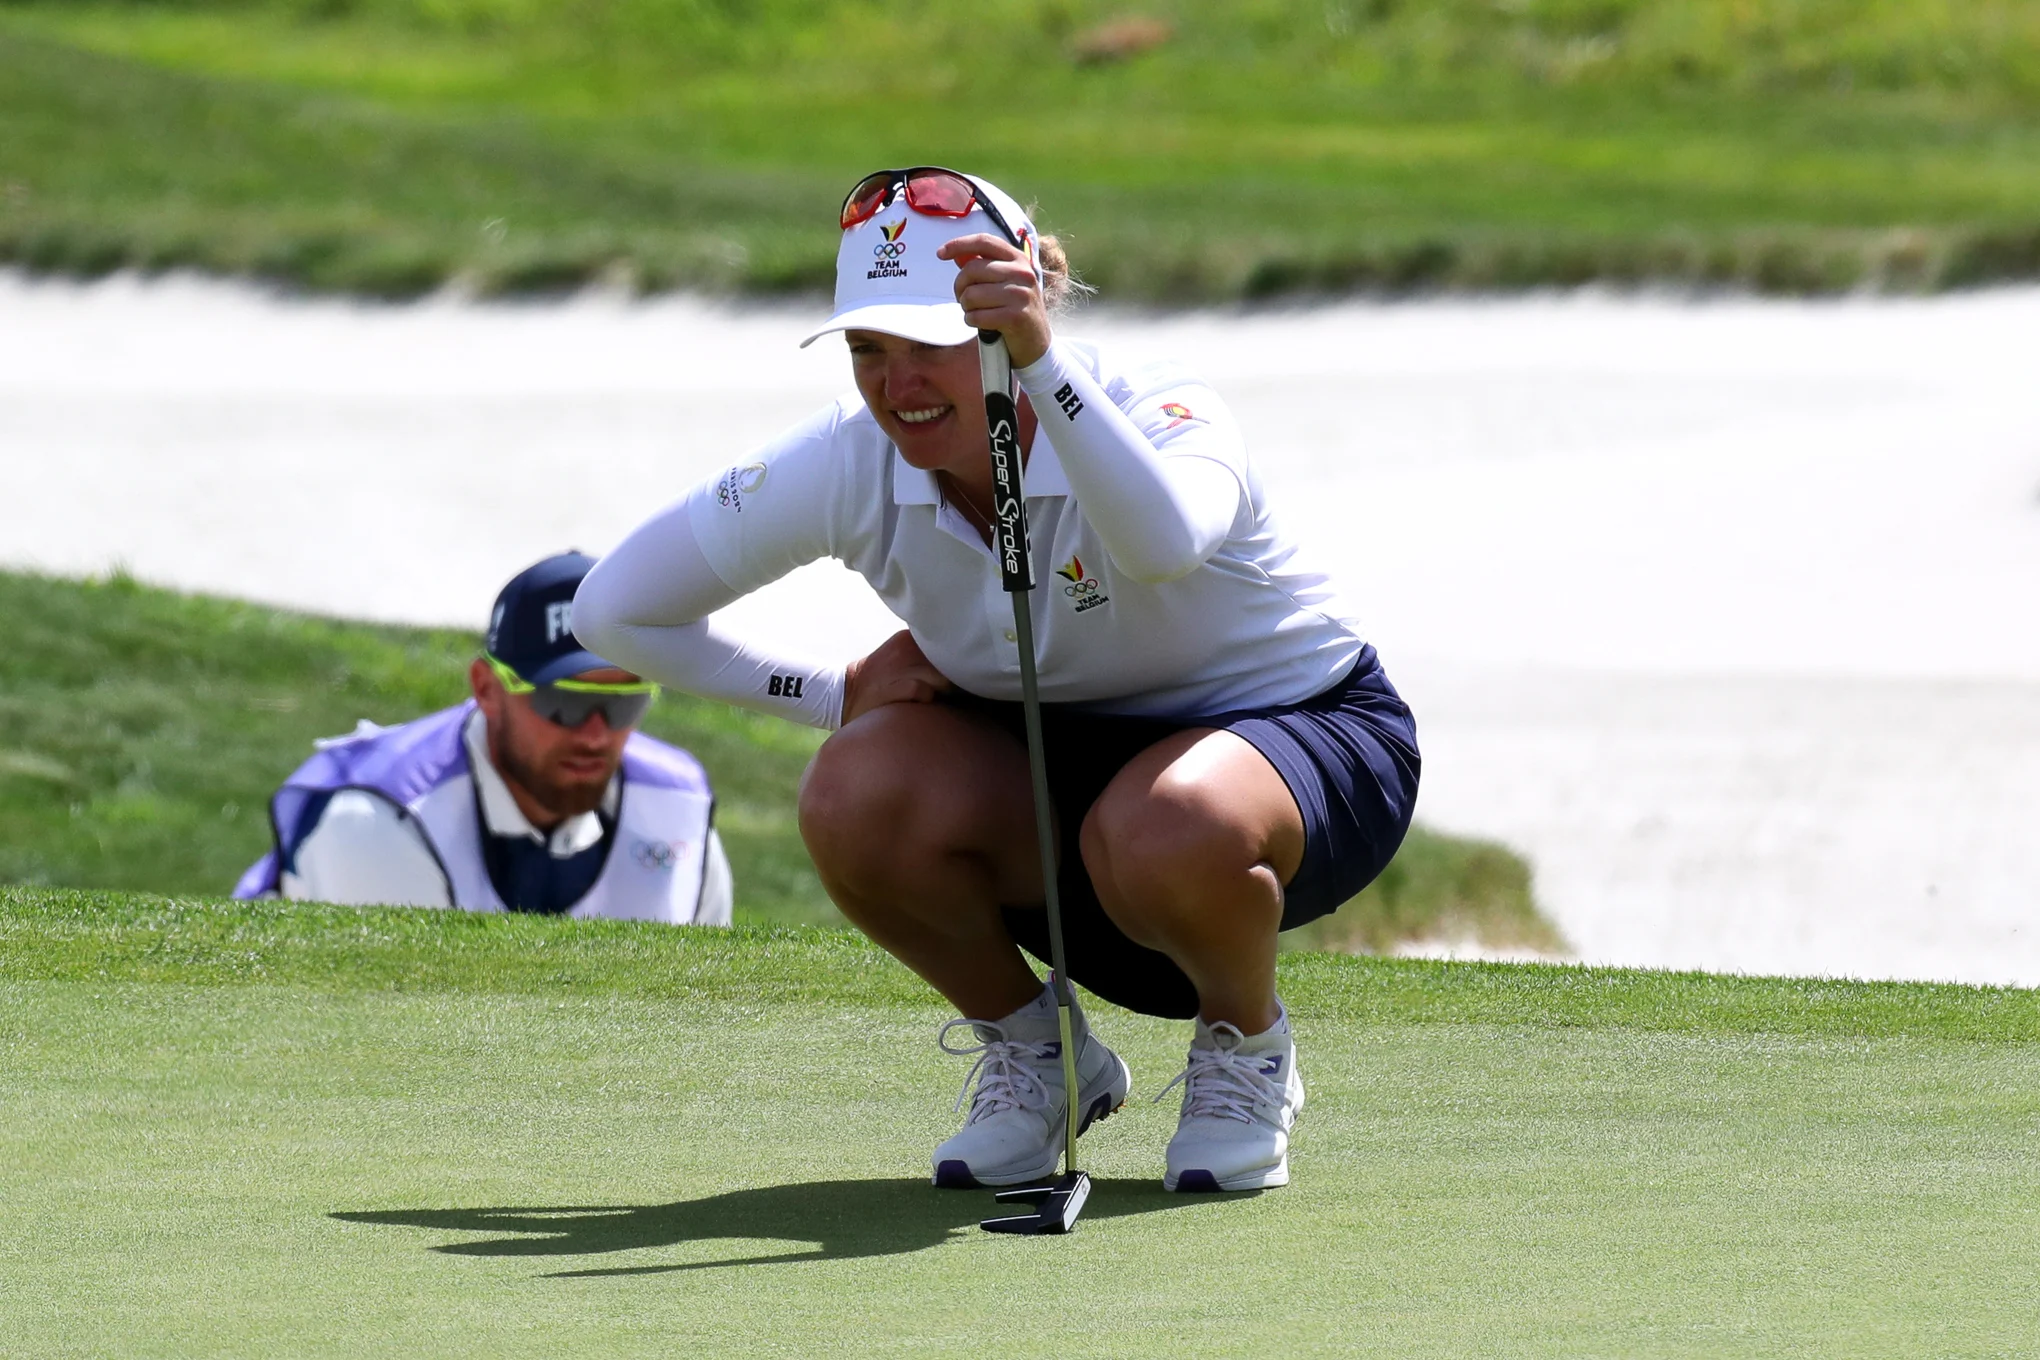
x,y
569,703
928,189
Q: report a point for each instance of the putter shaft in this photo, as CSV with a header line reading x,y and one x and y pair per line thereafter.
x,y
1044,830
1061,1203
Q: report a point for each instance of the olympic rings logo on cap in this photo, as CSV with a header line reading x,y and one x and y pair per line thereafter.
x,y
889,250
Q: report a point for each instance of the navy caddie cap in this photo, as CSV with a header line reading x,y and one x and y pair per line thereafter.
x,y
532,628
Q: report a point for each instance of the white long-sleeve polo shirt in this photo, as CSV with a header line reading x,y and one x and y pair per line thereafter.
x,y
1208,606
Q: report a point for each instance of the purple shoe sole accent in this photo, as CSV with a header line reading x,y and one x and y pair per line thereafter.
x,y
1197,1183
955,1175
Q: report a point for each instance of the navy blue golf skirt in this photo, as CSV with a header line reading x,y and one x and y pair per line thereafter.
x,y
1348,754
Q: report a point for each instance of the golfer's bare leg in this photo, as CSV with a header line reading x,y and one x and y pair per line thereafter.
x,y
920,820
1189,847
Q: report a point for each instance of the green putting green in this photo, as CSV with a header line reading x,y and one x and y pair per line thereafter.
x,y
263,1129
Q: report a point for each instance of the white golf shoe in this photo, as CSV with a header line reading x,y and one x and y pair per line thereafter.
x,y
1241,1096
1014,1131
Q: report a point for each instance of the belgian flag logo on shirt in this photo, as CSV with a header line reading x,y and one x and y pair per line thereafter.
x,y
1081,588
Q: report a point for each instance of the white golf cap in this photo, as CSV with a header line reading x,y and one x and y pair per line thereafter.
x,y
888,279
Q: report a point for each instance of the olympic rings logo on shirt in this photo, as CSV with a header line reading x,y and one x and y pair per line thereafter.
x,y
889,250
655,855
1082,587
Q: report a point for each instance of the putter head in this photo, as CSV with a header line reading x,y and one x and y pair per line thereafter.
x,y
1056,1206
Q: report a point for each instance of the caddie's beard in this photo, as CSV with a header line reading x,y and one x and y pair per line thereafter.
x,y
562,798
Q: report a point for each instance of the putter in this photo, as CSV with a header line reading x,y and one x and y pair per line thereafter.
x,y
1057,1204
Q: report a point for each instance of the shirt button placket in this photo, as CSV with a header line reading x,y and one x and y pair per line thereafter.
x,y
999,610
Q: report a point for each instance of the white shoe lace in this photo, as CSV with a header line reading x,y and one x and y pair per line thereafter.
x,y
1224,1083
1004,1072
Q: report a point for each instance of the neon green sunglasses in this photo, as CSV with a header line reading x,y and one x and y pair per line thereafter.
x,y
569,703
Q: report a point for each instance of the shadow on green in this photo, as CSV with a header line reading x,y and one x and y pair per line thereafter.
x,y
841,1218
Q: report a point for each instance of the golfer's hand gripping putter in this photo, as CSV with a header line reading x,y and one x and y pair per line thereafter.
x,y
1056,1205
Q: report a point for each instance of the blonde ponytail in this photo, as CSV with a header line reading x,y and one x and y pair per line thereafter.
x,y
1059,285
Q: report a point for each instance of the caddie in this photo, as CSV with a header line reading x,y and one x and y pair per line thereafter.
x,y
1225,757
536,795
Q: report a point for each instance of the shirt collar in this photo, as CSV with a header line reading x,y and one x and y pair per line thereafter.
x,y
1043,476
502,817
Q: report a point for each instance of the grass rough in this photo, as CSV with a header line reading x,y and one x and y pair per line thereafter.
x,y
142,732
1237,151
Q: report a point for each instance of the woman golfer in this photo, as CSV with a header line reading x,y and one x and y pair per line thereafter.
x,y
1225,756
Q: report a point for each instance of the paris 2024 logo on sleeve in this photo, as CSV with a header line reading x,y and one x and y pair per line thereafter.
x,y
738,483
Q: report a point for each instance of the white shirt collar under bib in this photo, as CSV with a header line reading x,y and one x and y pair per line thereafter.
x,y
502,817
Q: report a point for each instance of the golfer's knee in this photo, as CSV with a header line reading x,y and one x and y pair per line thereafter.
x,y
868,797
1160,853
850,789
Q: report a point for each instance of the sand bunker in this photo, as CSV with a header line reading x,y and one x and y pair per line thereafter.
x,y
1724,613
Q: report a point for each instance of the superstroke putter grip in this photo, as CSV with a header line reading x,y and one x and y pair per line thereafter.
x,y
1009,504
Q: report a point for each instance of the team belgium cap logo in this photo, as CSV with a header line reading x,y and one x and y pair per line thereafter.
x,y
886,254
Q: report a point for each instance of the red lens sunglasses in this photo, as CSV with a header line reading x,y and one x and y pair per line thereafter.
x,y
929,190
